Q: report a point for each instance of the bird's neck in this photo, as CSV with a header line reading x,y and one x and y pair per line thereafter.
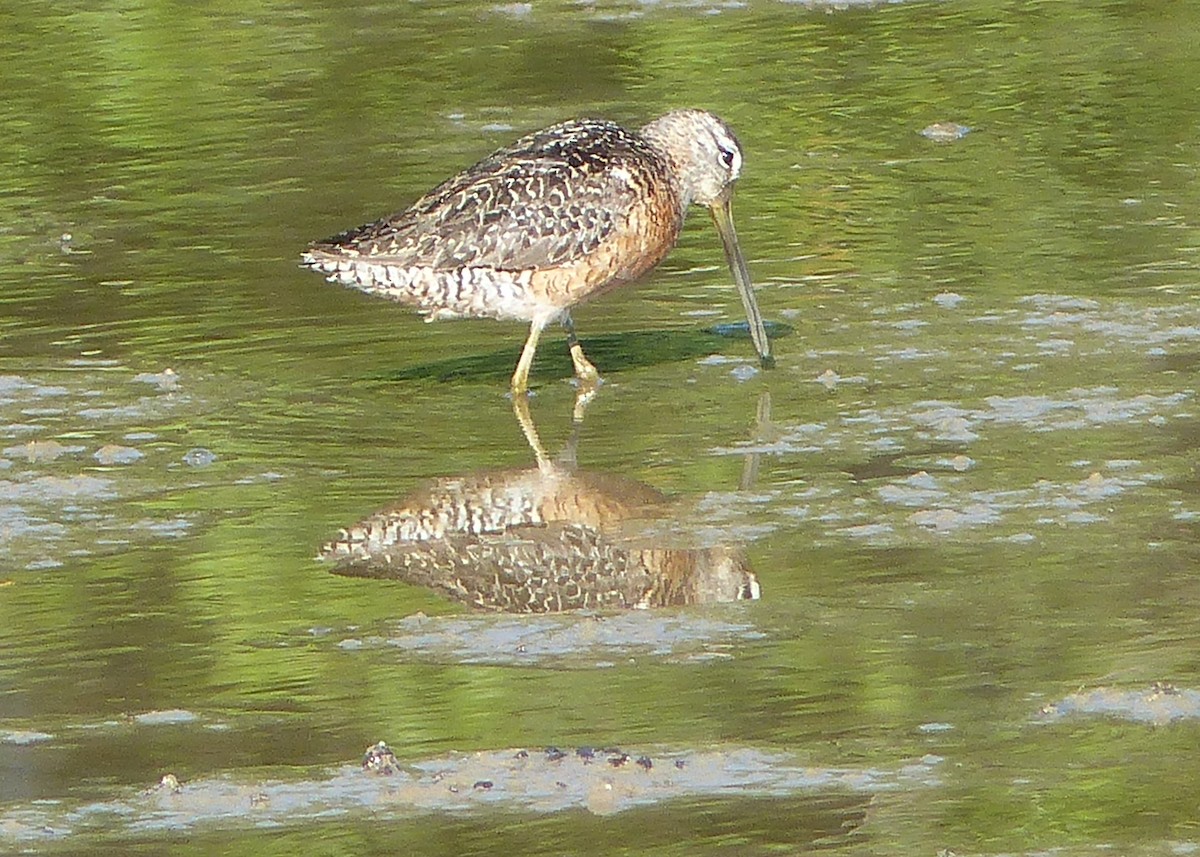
x,y
665,140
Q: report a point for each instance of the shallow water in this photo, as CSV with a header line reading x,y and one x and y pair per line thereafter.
x,y
966,496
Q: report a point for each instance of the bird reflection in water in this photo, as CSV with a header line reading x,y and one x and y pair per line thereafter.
x,y
541,540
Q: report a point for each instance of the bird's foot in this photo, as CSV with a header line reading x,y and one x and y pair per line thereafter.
x,y
585,372
583,396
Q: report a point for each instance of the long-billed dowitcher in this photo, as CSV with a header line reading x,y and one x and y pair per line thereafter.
x,y
544,539
559,217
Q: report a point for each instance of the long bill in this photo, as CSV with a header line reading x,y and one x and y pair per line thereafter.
x,y
722,213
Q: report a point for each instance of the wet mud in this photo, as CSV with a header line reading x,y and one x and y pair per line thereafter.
x,y
601,781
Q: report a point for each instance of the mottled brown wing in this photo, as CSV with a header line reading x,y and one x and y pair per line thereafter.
x,y
548,199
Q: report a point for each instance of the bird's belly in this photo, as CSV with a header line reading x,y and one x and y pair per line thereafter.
x,y
467,292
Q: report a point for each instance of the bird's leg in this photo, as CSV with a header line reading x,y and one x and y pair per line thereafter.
x,y
582,396
567,458
520,378
584,370
521,409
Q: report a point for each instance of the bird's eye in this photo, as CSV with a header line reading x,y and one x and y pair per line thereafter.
x,y
727,157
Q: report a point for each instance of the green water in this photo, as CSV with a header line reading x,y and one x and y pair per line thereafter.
x,y
968,490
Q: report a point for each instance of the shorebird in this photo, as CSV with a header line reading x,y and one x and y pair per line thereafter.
x,y
544,539
559,217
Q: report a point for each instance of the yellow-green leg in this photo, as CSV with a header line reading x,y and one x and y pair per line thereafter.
x,y
584,370
521,409
566,460
520,378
